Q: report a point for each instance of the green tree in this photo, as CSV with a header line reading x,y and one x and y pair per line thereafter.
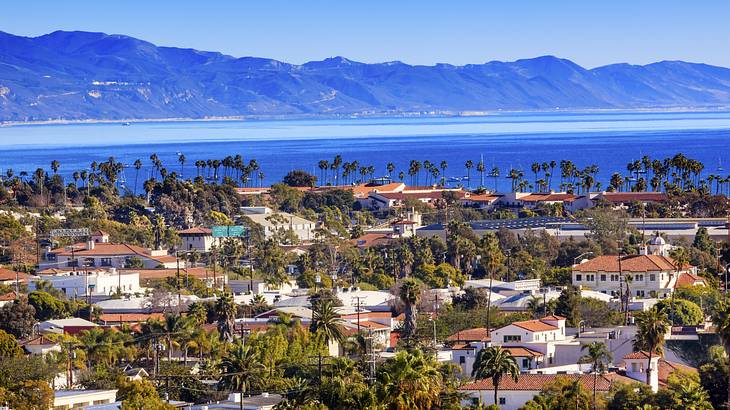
x,y
598,356
495,363
409,293
410,380
651,326
225,310
326,321
491,259
47,306
241,369
299,178
9,346
140,395
681,312
721,320
17,318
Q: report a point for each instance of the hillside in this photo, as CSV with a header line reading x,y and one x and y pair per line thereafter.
x,y
83,75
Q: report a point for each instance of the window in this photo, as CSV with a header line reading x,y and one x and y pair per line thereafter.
x,y
72,263
462,359
106,261
603,278
502,401
525,363
640,293
652,277
590,278
89,262
512,338
635,367
639,278
578,278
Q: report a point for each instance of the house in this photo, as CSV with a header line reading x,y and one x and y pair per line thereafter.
x,y
651,275
8,298
99,252
625,199
135,373
636,368
480,201
76,399
118,319
41,345
530,200
538,336
95,285
200,239
465,345
10,277
275,222
513,395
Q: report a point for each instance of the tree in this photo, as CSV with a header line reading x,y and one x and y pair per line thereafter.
x,y
47,306
9,346
491,259
607,226
598,356
241,369
327,322
409,293
721,320
651,326
299,178
495,363
225,310
17,318
714,376
681,312
140,394
562,393
410,380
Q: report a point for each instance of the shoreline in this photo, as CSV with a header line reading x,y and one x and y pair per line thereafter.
x,y
384,115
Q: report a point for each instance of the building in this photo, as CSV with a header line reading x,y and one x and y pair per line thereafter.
x,y
650,275
76,399
68,326
99,252
531,200
276,222
200,239
41,345
263,401
95,285
513,395
538,336
8,298
465,345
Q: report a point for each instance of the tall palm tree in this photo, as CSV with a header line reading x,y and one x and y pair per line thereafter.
x,y
598,356
495,363
410,380
651,325
409,293
241,369
181,159
491,259
137,167
681,259
469,164
225,309
327,322
174,327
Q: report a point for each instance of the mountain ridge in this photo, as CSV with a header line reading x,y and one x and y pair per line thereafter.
x,y
77,75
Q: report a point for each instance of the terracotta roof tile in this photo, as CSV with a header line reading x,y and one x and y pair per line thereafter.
x,y
624,197
639,355
129,317
111,249
7,275
535,382
688,279
538,197
519,351
629,263
666,368
535,326
198,230
8,297
477,334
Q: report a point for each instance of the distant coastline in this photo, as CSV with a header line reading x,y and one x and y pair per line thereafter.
x,y
384,115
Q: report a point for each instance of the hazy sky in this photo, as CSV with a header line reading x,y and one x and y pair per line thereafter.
x,y
589,32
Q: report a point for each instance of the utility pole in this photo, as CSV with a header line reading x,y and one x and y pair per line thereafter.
x,y
179,298
357,298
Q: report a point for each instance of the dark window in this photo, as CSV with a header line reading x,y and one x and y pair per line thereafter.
x,y
502,401
106,261
462,360
578,278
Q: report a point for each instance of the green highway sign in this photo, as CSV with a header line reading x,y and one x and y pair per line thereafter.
x,y
229,231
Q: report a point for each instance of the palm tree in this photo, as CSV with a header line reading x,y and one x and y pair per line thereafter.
x,y
481,168
599,357
390,167
181,159
241,369
174,327
469,164
410,380
651,326
495,363
491,259
225,309
327,322
681,259
409,293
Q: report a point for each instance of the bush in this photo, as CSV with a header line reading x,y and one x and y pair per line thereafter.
x,y
681,312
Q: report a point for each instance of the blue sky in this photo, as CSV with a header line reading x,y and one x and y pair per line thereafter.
x,y
591,33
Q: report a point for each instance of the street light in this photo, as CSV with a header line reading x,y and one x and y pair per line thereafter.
x,y
317,281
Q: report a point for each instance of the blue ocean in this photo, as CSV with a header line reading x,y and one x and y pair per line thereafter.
x,y
511,140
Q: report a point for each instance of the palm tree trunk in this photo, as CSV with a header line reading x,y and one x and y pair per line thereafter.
x,y
648,369
495,381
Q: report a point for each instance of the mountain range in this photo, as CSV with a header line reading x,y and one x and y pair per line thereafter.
x,y
95,76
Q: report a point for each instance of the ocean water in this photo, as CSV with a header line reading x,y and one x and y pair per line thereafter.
x,y
608,140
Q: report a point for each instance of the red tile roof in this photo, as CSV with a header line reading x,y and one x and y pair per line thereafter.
x,y
477,334
545,197
688,279
196,231
39,341
535,326
629,263
535,382
371,239
8,297
481,198
10,275
639,355
553,317
519,351
666,368
130,317
368,324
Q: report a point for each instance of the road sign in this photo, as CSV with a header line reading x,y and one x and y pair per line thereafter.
x,y
229,231
58,233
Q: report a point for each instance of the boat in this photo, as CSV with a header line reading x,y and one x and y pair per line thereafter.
x,y
126,124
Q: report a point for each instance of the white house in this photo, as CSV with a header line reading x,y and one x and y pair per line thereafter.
x,y
95,285
274,222
99,252
76,399
535,335
41,346
200,239
59,326
513,395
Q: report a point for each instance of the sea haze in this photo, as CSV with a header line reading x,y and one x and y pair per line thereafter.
x,y
609,140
